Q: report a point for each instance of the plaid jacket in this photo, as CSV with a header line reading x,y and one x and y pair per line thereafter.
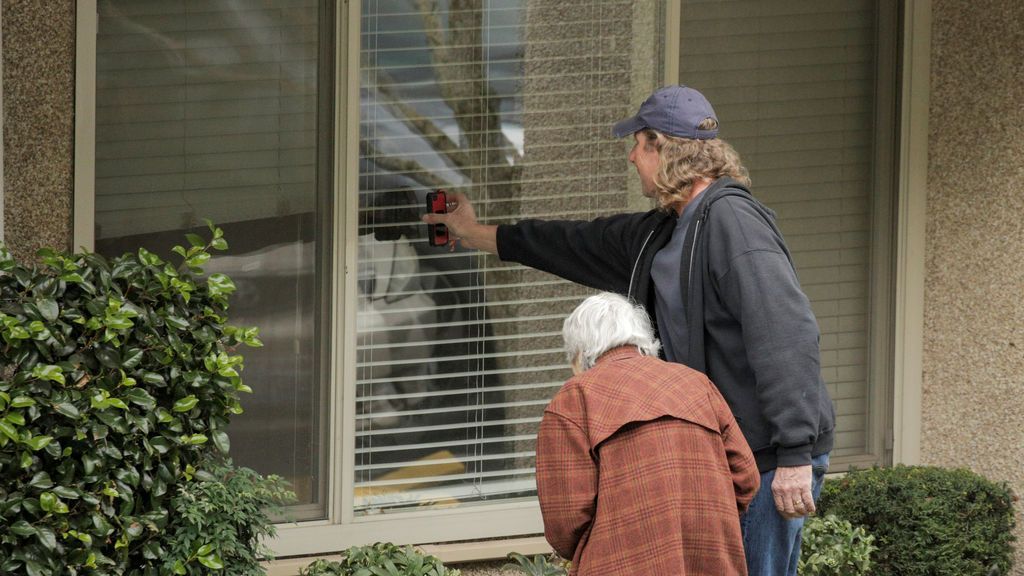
x,y
642,469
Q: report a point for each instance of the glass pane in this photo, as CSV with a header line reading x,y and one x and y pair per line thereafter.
x,y
210,110
511,103
794,86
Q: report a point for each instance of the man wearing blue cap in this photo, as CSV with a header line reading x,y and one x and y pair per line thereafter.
x,y
711,267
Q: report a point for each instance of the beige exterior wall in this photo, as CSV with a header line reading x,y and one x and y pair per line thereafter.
x,y
38,108
973,385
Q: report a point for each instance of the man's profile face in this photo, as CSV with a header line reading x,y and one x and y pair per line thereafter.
x,y
644,156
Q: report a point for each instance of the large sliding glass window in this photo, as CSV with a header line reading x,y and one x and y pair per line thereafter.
x,y
400,390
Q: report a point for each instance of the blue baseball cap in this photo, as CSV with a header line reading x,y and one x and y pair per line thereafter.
x,y
672,110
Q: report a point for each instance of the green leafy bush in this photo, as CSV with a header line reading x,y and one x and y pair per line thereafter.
x,y
834,547
380,559
539,565
927,520
118,377
218,518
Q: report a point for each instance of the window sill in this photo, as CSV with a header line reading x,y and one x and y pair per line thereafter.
x,y
448,553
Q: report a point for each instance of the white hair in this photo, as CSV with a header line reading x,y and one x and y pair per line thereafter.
x,y
605,321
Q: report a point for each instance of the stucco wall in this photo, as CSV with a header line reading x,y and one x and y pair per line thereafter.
x,y
973,407
38,108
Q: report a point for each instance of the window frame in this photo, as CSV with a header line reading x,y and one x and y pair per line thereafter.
x,y
899,340
341,528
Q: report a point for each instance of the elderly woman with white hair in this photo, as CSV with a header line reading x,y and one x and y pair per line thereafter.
x,y
641,467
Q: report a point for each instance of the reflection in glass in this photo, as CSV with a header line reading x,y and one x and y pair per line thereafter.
x,y
511,104
209,110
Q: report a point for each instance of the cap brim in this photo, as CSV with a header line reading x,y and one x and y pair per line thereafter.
x,y
627,127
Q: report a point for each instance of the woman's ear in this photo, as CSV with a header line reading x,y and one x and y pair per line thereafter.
x,y
577,365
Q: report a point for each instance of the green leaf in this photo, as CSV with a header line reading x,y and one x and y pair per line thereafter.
x,y
195,240
220,284
36,569
8,430
219,244
16,418
48,372
176,322
221,441
22,402
48,309
195,439
48,500
22,528
132,357
148,258
185,404
211,561
109,357
204,550
67,409
37,443
197,260
140,397
153,378
65,492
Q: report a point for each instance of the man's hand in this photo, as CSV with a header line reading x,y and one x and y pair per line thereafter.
x,y
791,489
463,227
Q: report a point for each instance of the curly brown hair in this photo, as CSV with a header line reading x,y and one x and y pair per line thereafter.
x,y
683,161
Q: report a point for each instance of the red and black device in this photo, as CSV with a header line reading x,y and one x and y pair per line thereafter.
x,y
437,203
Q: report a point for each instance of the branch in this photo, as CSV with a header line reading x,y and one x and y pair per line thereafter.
x,y
410,168
438,140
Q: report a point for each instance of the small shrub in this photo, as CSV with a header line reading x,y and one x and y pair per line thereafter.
x,y
834,547
380,559
218,518
539,565
927,521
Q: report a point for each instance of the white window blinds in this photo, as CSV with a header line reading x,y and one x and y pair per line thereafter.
x,y
511,103
794,84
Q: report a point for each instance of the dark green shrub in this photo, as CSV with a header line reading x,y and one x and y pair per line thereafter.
x,y
380,559
834,547
218,518
927,520
117,376
539,565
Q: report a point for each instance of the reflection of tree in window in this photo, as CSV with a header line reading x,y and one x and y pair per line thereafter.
x,y
424,340
511,103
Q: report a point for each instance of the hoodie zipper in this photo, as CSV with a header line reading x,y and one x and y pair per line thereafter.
x,y
639,257
693,249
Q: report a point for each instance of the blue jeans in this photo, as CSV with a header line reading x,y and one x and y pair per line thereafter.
x,y
771,542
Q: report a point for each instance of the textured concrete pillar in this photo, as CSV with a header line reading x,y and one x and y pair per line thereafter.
x,y
38,108
973,397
